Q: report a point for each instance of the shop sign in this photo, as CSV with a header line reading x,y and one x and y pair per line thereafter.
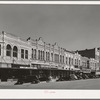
x,y
86,71
97,73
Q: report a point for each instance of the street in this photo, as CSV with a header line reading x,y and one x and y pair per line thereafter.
x,y
76,84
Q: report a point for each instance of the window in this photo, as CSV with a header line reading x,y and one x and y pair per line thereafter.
x,y
66,60
55,57
51,56
75,62
39,54
63,59
0,49
26,54
22,53
8,50
87,64
95,65
15,51
60,59
34,53
72,61
69,61
43,55
46,56
79,62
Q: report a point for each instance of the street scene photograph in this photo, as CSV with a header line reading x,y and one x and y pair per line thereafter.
x,y
49,46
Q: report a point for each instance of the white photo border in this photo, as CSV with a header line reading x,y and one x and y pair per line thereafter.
x,y
49,93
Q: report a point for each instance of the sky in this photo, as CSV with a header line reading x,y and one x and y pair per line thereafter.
x,y
74,27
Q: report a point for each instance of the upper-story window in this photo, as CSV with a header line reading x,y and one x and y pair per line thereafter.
x,y
72,61
69,61
66,60
75,62
63,59
95,64
55,57
0,49
60,59
48,56
79,62
43,55
51,56
15,51
8,50
39,54
32,54
35,53
22,53
26,54
87,64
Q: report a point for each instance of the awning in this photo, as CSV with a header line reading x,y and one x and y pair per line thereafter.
x,y
86,71
71,68
76,69
97,73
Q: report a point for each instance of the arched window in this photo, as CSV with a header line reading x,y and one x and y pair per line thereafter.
x,y
8,50
15,51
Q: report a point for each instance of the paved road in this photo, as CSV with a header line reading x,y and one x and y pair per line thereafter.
x,y
77,84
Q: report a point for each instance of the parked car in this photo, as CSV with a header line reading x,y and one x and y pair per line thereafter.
x,y
90,76
79,76
84,76
28,79
73,77
43,78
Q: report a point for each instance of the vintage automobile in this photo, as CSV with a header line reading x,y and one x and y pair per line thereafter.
x,y
28,79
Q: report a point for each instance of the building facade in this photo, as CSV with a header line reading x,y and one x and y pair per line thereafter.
x,y
93,56
37,54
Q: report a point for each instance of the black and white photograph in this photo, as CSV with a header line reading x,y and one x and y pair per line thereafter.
x,y
49,46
